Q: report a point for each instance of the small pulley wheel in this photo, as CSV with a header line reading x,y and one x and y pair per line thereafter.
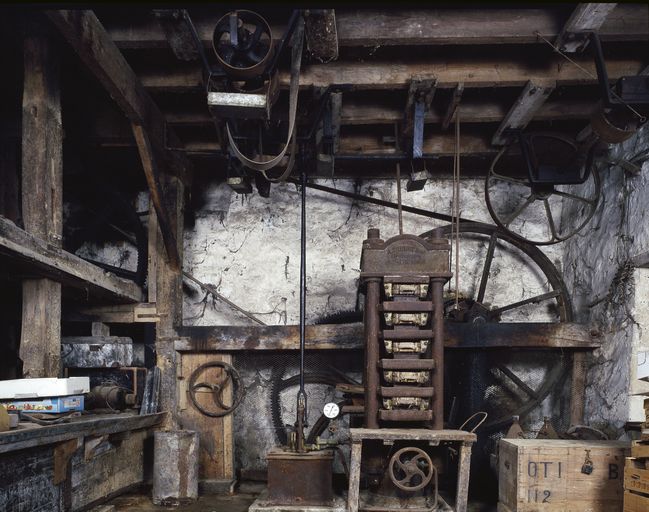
x,y
243,44
411,469
229,376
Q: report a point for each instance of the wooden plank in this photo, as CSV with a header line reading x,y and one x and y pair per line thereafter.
x,y
350,337
152,174
89,39
119,466
42,198
634,502
383,27
522,111
474,72
34,435
141,312
587,17
44,259
216,449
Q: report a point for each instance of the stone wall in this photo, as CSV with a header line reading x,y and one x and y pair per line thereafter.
x,y
608,291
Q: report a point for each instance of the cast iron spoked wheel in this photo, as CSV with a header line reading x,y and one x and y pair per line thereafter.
x,y
411,469
474,309
229,376
513,200
243,43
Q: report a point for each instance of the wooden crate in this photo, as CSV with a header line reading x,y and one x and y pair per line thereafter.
x,y
546,475
634,502
636,475
640,449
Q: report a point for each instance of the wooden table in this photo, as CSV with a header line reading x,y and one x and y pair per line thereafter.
x,y
464,440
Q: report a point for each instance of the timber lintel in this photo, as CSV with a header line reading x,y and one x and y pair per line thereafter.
x,y
350,337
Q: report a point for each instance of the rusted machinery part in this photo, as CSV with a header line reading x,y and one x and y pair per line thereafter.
x,y
231,375
591,202
606,126
493,234
278,384
246,55
411,469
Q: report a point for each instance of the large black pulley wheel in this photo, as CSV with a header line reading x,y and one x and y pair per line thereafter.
x,y
228,376
243,44
531,207
489,258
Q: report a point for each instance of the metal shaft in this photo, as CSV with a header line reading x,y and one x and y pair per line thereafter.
x,y
301,396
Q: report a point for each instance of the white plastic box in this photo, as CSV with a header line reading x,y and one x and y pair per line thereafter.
x,y
43,388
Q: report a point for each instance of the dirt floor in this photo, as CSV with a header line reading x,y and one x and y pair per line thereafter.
x,y
239,502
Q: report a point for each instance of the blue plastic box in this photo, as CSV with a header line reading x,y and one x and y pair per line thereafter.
x,y
46,405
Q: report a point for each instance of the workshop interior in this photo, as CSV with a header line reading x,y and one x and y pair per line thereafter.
x,y
274,258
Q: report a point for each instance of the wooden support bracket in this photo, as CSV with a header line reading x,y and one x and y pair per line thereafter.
x,y
529,101
62,455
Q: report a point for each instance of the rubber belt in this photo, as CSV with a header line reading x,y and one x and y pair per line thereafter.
x,y
263,166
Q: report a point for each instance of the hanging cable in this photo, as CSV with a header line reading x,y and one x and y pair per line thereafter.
x,y
456,207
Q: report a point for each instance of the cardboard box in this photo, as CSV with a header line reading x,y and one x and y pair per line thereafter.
x,y
47,405
546,475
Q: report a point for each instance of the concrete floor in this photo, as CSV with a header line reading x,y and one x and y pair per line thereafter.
x,y
239,502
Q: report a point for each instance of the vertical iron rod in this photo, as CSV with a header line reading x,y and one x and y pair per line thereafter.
x,y
301,396
302,280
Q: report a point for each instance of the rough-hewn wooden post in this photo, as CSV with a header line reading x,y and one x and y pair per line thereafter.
x,y
42,199
168,295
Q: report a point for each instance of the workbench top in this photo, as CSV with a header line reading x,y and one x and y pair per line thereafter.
x,y
28,435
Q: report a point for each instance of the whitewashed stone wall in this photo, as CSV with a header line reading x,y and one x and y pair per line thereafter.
x,y
248,247
608,292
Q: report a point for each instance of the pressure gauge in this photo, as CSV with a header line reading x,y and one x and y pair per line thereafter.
x,y
331,410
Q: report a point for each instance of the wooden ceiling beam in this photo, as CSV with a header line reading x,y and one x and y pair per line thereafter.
x,y
362,27
356,113
587,17
350,337
476,73
530,100
93,45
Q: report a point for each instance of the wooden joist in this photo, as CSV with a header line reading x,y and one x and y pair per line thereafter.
x,y
90,41
350,337
363,27
40,258
587,17
474,72
522,111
